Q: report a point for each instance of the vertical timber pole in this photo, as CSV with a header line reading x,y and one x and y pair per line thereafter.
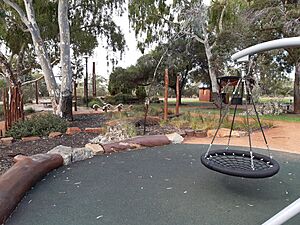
x,y
166,94
94,80
75,94
36,92
86,91
177,94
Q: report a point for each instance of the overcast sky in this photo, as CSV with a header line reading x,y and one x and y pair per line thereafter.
x,y
130,56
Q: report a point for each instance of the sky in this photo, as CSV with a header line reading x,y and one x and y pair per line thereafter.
x,y
130,56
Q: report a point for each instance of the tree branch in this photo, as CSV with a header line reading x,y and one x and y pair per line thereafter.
x,y
222,17
7,69
19,10
194,36
32,81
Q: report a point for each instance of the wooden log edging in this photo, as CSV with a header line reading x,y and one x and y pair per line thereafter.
x,y
137,142
28,170
19,179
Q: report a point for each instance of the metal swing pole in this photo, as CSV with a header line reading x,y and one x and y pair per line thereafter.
x,y
244,82
220,122
234,114
285,214
259,122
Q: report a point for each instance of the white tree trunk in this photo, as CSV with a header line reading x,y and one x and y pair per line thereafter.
x,y
42,54
29,20
212,72
65,103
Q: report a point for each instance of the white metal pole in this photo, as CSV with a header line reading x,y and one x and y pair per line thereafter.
x,y
285,214
269,45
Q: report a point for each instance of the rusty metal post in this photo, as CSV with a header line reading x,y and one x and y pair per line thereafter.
x,y
36,92
177,94
166,94
75,94
94,80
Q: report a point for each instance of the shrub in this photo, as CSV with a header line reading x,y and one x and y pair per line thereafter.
x,y
29,110
94,101
121,98
141,93
155,100
37,125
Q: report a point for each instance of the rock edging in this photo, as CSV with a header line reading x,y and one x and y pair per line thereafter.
x,y
28,170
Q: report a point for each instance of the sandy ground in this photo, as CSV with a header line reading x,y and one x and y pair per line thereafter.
x,y
285,136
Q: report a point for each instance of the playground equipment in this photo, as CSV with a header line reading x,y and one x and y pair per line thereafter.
x,y
231,165
236,162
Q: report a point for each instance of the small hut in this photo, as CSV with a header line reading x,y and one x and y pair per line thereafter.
x,y
204,92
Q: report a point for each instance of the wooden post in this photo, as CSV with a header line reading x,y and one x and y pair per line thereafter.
x,y
36,92
166,94
75,94
177,94
94,80
5,108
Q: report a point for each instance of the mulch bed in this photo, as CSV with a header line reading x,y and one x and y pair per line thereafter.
x,y
7,152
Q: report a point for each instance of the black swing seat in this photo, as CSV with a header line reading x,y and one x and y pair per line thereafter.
x,y
238,163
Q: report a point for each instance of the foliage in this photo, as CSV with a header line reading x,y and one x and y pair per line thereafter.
x,y
121,98
37,125
141,93
153,110
96,101
29,110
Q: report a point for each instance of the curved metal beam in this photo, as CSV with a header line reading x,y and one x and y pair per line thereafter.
x,y
269,45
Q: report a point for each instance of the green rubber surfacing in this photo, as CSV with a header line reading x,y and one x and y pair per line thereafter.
x,y
158,186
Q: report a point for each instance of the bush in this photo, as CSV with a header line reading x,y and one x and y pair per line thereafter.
x,y
155,100
141,93
121,98
37,125
29,110
94,101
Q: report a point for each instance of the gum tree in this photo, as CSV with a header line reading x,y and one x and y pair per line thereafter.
x,y
93,18
156,21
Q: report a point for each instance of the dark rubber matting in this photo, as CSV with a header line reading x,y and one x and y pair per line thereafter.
x,y
158,186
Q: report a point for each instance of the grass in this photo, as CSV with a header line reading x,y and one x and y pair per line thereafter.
x,y
193,105
282,117
276,99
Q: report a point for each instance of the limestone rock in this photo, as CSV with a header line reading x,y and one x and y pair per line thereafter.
x,y
113,134
79,154
200,133
64,151
190,132
96,149
175,138
6,140
224,132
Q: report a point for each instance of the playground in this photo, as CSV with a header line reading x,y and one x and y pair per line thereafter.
x,y
194,119
161,185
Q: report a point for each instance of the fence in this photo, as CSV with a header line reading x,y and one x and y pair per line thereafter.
x,y
13,106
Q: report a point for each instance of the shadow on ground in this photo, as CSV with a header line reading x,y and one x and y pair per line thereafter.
x,y
158,186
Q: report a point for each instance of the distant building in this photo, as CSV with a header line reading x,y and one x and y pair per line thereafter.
x,y
204,92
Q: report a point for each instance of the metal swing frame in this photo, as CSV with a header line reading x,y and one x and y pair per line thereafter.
x,y
237,162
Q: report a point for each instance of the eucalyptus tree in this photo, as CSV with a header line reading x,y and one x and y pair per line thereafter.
x,y
269,20
78,24
186,58
156,21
